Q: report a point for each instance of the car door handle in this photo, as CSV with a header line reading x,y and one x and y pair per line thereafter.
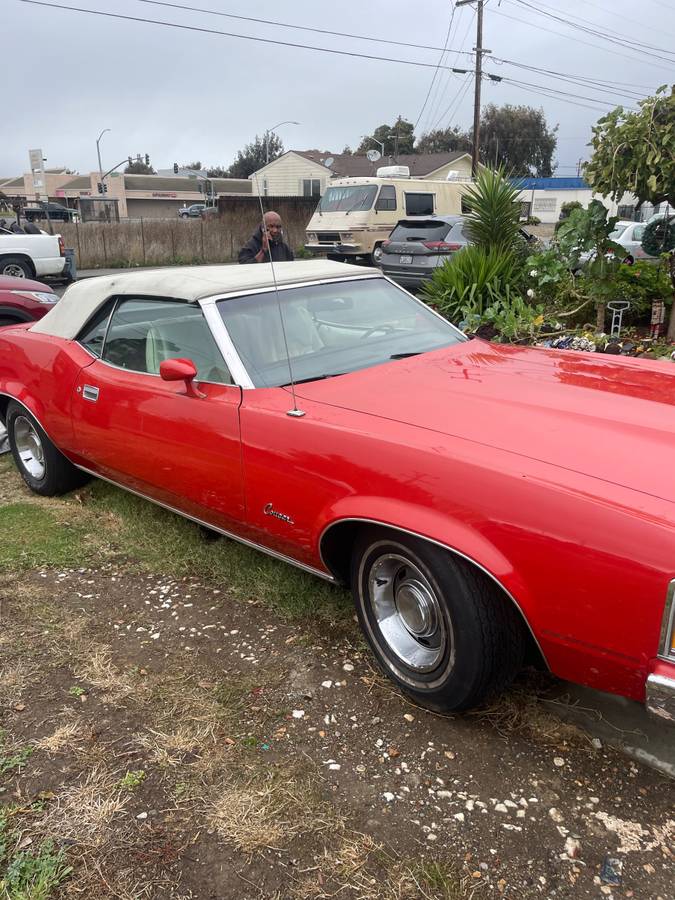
x,y
89,392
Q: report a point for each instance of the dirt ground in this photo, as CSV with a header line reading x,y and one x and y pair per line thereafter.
x,y
166,736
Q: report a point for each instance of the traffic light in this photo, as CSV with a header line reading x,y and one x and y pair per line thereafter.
x,y
175,168
100,187
147,159
131,162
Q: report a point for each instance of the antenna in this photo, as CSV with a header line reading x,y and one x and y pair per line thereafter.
x,y
373,155
297,413
328,162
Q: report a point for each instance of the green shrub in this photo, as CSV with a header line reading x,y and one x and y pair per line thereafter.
x,y
494,223
642,283
473,278
510,315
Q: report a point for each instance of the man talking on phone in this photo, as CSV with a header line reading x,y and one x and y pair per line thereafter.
x,y
267,242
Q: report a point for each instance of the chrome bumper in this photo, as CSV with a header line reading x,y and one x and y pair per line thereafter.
x,y
660,697
333,248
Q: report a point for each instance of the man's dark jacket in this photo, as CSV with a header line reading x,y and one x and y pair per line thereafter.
x,y
281,252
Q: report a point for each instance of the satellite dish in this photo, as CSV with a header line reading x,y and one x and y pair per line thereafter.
x,y
374,155
328,162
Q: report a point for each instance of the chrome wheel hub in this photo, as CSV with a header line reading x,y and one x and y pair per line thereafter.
x,y
11,270
29,447
407,612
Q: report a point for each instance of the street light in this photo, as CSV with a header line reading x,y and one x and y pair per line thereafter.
x,y
367,137
267,136
98,151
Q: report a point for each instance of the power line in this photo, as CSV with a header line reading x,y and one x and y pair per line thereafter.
x,y
546,92
597,86
498,12
609,12
621,40
244,37
437,69
277,24
579,79
439,99
455,103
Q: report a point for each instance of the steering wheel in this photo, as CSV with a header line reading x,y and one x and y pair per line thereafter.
x,y
387,329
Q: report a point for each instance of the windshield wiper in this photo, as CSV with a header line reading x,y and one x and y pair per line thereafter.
x,y
314,378
406,355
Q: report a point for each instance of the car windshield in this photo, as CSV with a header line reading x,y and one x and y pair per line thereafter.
x,y
330,329
350,198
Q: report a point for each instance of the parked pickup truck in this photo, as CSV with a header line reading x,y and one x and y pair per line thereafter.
x,y
32,255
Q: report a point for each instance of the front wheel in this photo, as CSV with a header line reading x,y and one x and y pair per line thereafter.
x,y
439,628
42,466
376,256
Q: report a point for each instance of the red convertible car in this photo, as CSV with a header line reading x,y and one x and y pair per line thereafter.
x,y
484,501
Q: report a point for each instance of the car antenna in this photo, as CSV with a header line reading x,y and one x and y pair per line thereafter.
x,y
297,413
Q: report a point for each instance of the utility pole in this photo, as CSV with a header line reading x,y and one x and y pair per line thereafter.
x,y
479,75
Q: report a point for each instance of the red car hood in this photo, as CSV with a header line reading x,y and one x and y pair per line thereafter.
x,y
603,416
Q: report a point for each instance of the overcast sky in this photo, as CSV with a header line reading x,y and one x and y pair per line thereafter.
x,y
180,95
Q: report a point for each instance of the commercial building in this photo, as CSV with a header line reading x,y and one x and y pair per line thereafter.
x,y
135,196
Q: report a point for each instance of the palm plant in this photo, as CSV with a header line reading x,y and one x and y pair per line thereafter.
x,y
495,212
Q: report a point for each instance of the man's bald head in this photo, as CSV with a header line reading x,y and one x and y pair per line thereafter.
x,y
272,218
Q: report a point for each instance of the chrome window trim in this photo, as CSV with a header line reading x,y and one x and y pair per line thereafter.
x,y
667,626
451,549
229,534
226,346
122,298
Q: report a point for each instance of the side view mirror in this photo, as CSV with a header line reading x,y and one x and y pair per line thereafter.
x,y
181,370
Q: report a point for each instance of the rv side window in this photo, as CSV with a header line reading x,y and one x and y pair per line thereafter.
x,y
419,204
387,198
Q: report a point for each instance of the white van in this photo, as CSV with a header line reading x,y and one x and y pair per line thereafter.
x,y
356,215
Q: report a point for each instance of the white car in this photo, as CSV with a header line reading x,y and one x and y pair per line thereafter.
x,y
629,236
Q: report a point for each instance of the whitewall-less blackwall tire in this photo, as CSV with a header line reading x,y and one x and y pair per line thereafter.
x,y
438,626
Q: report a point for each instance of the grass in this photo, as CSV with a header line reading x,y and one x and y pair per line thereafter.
x,y
102,523
28,874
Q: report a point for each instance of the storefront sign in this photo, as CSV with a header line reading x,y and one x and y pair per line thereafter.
x,y
169,195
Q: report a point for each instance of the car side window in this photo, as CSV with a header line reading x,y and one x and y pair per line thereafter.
x,y
387,198
93,333
638,232
145,332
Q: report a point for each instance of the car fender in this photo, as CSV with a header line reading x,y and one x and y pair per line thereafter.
x,y
12,390
433,526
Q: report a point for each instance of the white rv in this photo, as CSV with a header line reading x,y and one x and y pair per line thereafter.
x,y
356,215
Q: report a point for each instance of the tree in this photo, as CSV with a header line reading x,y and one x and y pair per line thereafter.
x,y
139,168
217,172
517,139
633,153
195,166
255,155
444,140
398,138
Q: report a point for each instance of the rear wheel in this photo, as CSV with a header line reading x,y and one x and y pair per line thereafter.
x,y
42,466
15,267
439,627
376,255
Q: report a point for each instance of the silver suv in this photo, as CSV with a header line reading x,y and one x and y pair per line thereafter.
x,y
417,246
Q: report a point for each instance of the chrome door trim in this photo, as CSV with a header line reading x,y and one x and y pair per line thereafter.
x,y
451,549
226,346
229,534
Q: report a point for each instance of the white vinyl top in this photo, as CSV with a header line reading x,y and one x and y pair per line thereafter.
x,y
190,283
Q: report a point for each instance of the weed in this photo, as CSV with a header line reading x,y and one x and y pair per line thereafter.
x,y
33,876
16,759
132,780
76,691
